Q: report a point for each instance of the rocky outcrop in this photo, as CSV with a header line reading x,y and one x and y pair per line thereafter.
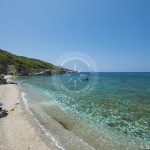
x,y
5,80
11,64
11,70
50,71
40,71
2,80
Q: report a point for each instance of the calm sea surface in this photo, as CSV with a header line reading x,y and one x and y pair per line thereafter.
x,y
92,110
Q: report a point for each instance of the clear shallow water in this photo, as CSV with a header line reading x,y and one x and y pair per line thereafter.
x,y
106,110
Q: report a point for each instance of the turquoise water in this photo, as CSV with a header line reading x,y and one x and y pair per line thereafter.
x,y
112,106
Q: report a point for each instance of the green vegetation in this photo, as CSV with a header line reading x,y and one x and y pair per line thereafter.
x,y
23,65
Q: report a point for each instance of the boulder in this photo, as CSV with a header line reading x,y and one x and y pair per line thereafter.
x,y
2,80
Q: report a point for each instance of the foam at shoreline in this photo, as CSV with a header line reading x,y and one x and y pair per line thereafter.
x,y
46,132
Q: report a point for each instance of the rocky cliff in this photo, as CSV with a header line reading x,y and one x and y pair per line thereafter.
x,y
11,64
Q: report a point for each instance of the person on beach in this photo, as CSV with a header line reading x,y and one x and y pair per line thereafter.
x,y
3,112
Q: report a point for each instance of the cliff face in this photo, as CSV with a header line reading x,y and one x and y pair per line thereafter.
x,y
19,65
11,69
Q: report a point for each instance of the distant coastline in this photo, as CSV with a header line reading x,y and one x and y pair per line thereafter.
x,y
11,64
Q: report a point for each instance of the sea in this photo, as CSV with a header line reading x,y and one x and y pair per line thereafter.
x,y
91,111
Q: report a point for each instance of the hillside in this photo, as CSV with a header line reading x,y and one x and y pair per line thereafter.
x,y
20,65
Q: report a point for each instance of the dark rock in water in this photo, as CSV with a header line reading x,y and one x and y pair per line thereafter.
x,y
86,79
112,124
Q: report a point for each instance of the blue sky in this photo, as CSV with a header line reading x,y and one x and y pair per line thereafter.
x,y
115,33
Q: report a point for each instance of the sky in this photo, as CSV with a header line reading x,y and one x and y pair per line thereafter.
x,y
114,33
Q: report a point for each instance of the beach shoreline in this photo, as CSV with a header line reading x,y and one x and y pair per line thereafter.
x,y
39,122
16,130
